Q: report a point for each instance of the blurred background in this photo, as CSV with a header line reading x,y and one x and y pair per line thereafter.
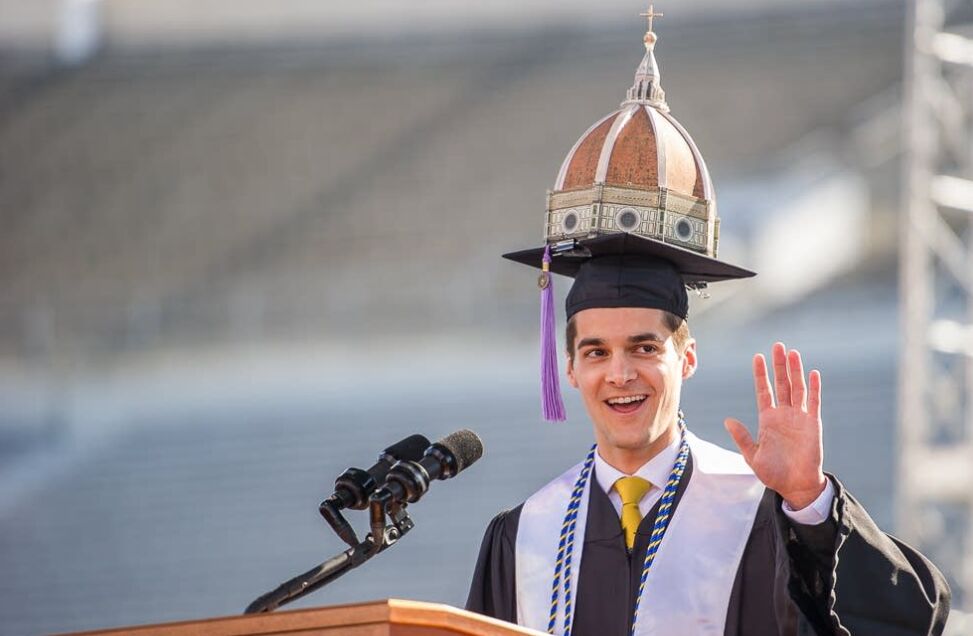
x,y
248,244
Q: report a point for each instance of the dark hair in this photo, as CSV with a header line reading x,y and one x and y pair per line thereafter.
x,y
676,325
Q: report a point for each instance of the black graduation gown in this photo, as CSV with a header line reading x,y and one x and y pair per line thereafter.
x,y
839,577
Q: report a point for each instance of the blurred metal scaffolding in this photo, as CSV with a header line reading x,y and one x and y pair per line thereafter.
x,y
935,489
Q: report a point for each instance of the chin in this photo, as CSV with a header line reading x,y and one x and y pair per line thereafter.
x,y
639,438
627,445
631,440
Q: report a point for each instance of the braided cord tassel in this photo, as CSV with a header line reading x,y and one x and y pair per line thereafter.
x,y
663,516
565,549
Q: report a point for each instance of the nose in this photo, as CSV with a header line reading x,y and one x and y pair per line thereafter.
x,y
620,371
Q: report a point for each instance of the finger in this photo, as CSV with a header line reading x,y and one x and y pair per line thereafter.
x,y
761,384
798,387
781,380
814,399
741,437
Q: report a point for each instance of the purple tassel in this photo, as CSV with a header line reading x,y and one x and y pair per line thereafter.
x,y
551,401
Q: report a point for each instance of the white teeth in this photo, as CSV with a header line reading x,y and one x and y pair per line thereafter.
x,y
626,400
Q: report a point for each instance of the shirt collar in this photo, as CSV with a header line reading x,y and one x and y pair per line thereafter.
x,y
656,470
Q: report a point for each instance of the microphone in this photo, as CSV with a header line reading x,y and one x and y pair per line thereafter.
x,y
409,480
353,487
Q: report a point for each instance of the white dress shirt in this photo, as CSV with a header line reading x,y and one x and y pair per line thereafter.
x,y
656,471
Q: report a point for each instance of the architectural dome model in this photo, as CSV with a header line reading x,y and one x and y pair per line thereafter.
x,y
636,171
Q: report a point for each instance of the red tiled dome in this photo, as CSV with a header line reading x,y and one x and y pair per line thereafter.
x,y
637,146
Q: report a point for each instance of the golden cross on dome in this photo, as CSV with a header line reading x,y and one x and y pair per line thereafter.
x,y
650,14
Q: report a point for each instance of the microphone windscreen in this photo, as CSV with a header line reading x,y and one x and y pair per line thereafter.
x,y
466,447
409,449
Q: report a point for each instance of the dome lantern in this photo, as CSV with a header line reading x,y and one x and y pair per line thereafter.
x,y
647,88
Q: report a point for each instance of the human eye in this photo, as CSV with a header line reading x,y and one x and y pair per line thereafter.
x,y
647,347
594,352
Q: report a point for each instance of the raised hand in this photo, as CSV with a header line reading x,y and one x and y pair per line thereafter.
x,y
787,456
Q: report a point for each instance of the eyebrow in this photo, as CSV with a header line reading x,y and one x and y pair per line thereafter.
x,y
590,342
641,337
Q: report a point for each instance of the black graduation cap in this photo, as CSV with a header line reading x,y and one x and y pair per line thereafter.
x,y
625,270
568,257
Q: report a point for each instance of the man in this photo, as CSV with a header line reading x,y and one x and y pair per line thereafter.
x,y
657,531
777,551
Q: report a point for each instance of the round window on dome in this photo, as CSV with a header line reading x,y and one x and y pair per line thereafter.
x,y
570,222
684,230
627,219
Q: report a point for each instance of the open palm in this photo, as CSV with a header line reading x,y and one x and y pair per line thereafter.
x,y
787,455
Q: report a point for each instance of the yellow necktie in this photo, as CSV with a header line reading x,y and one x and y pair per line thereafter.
x,y
631,489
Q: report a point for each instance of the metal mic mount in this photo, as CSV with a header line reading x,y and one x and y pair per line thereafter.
x,y
406,482
330,509
354,487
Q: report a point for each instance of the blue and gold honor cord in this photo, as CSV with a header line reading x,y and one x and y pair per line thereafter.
x,y
565,547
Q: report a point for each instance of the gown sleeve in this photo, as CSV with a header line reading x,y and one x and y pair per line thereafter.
x,y
493,592
846,576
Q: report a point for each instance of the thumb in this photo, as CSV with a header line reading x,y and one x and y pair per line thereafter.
x,y
741,436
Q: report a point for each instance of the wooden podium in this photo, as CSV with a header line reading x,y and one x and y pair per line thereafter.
x,y
390,617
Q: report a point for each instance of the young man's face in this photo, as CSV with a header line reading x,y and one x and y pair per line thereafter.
x,y
630,373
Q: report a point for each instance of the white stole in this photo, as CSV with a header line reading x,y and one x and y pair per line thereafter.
x,y
689,585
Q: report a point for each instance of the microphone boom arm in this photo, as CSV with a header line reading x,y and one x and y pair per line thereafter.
x,y
338,565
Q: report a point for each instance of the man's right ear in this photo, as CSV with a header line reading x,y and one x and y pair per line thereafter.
x,y
569,371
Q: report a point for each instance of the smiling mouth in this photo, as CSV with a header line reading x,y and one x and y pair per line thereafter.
x,y
626,404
